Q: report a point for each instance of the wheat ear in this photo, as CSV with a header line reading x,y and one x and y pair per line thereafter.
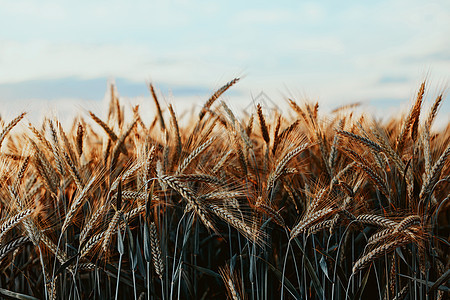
x,y
10,126
13,221
305,224
188,160
434,174
76,204
282,164
215,96
158,107
13,245
378,252
377,220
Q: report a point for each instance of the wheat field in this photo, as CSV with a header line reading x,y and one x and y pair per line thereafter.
x,y
269,205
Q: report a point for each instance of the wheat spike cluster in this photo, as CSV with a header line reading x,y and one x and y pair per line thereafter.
x,y
260,204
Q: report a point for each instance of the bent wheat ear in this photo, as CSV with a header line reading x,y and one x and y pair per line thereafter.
x,y
188,160
215,96
361,140
407,222
377,220
378,236
13,245
434,174
378,252
94,240
13,221
237,223
105,127
305,224
10,126
282,165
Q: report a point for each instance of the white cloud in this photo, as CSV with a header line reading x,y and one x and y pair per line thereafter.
x,y
334,52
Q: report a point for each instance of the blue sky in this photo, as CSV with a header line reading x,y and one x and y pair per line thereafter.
x,y
332,51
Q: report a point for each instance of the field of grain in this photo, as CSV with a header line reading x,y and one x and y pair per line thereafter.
x,y
299,205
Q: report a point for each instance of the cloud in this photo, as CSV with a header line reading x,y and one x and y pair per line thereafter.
x,y
94,89
341,52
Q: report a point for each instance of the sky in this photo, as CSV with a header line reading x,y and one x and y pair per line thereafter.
x,y
58,56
